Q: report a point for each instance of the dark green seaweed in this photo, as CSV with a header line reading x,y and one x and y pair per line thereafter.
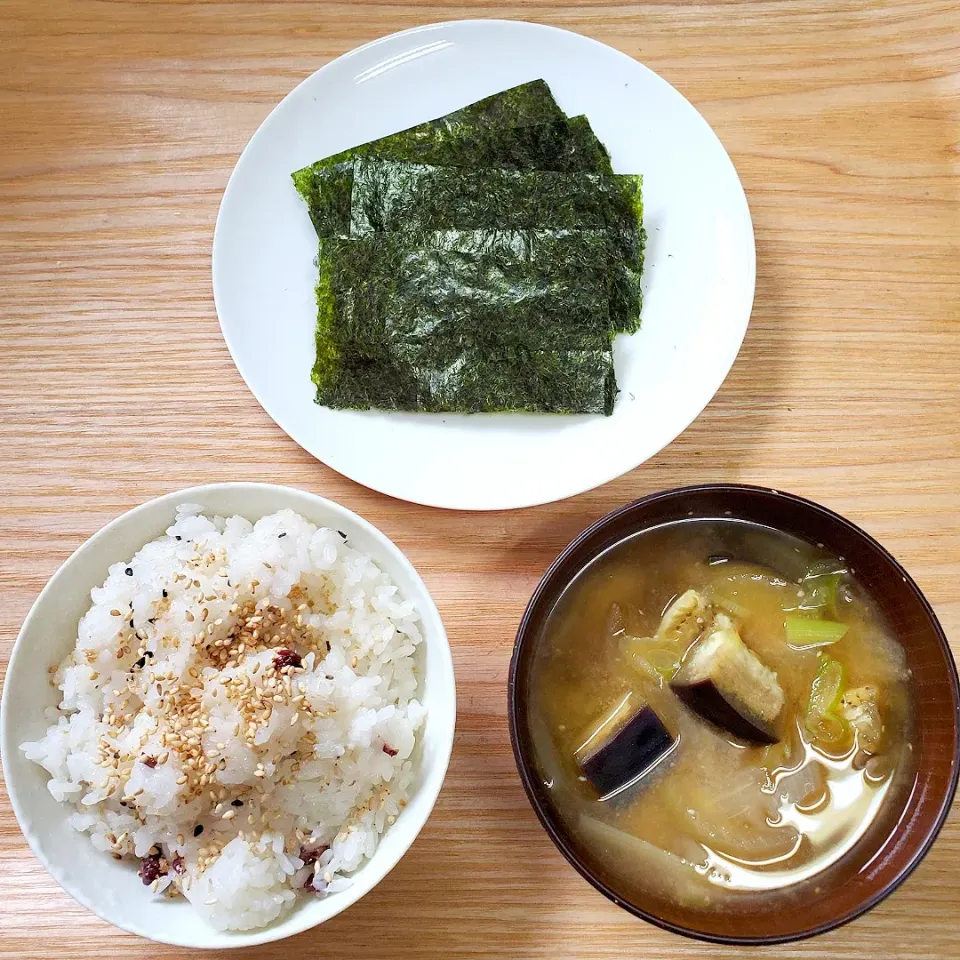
x,y
386,196
554,145
417,199
482,261
573,256
474,321
490,286
561,145
530,102
327,191
522,126
573,381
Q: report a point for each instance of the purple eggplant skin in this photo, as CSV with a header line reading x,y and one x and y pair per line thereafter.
x,y
634,748
705,699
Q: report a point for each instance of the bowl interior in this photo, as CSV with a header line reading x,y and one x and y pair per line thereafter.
x,y
908,821
111,888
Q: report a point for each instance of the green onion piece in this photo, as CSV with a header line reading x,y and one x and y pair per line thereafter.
x,y
818,591
828,684
825,693
803,633
635,646
665,662
825,568
829,728
651,659
821,593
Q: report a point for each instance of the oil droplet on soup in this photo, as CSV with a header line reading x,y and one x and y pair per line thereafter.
x,y
718,815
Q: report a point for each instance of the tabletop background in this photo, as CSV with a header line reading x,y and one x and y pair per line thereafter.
x,y
119,125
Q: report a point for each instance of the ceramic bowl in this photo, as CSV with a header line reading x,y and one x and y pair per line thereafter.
x,y
111,888
905,828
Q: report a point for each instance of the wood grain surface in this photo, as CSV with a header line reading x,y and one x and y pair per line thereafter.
x,y
119,125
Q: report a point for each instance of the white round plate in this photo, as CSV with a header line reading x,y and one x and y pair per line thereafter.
x,y
698,281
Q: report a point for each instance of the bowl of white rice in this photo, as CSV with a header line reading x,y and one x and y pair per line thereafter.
x,y
228,715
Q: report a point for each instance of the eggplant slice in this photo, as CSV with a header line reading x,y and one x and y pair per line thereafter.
x,y
623,758
684,620
725,682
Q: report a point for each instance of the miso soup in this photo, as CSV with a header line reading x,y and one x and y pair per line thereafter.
x,y
718,710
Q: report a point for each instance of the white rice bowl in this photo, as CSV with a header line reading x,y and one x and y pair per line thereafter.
x,y
242,708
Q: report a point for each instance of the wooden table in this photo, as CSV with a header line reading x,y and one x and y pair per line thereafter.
x,y
120,123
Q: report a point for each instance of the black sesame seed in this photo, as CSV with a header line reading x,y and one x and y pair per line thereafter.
x,y
280,536
141,662
342,534
149,653
198,829
236,803
178,538
152,620
131,623
129,571
164,594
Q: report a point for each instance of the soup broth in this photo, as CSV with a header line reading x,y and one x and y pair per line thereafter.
x,y
718,816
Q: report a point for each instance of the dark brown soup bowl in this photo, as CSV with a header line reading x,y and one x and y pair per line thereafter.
x,y
907,824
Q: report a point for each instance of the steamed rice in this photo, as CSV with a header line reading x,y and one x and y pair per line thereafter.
x,y
239,713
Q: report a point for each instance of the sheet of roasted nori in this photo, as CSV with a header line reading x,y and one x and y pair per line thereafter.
x,y
471,321
489,285
561,144
386,195
418,199
477,134
530,102
515,381
429,309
